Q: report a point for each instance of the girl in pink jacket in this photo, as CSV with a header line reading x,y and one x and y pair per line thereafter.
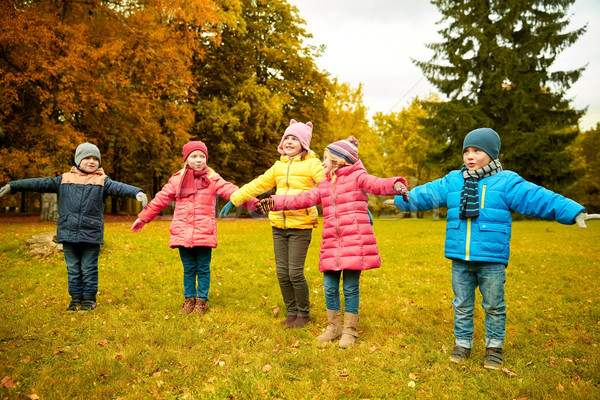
x,y
194,227
348,244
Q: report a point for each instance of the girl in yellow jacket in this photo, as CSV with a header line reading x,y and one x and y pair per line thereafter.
x,y
298,170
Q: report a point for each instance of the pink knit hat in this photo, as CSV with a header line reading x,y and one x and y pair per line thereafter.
x,y
302,131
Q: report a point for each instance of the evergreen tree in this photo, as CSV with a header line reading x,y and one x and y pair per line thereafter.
x,y
494,66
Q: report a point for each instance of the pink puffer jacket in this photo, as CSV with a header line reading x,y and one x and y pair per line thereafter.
x,y
348,240
194,222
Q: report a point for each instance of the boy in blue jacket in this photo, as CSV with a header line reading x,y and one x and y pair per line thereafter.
x,y
82,193
480,198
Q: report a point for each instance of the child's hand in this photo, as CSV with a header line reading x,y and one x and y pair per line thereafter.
x,y
226,208
582,217
5,189
390,203
137,225
264,206
142,198
402,191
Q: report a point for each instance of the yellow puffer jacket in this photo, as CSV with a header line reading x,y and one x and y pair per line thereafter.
x,y
291,176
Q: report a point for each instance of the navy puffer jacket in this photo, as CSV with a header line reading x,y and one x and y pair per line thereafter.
x,y
81,197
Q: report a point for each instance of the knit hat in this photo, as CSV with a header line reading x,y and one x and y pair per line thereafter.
x,y
344,150
85,150
485,139
193,146
302,131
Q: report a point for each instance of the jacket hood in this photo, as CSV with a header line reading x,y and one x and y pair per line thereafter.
x,y
286,159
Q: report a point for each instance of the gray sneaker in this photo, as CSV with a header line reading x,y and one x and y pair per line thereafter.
x,y
459,354
493,358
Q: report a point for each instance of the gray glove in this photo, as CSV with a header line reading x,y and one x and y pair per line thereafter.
x,y
390,203
582,217
5,189
142,198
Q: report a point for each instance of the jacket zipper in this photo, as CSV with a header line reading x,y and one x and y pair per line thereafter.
x,y
287,183
468,246
483,196
337,231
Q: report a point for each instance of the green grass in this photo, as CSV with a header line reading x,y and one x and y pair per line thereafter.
x,y
135,345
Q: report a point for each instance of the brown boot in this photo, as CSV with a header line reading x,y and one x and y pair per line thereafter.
x,y
188,305
349,333
334,326
300,322
201,307
289,321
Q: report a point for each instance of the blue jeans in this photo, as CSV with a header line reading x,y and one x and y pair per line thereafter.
x,y
82,267
196,265
331,286
490,277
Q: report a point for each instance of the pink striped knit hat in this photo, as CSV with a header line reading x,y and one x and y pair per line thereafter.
x,y
344,150
302,131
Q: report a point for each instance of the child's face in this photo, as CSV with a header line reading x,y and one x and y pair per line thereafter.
x,y
475,158
328,164
196,160
291,146
89,164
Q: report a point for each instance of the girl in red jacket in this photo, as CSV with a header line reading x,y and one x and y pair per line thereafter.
x,y
194,227
348,244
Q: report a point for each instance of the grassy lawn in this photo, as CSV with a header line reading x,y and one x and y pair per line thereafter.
x,y
135,345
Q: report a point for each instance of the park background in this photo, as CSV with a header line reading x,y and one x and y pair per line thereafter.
x,y
141,78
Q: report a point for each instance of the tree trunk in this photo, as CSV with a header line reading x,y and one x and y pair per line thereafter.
x,y
49,207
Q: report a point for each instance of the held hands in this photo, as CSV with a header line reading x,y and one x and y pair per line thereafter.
x,y
5,189
582,217
390,203
401,190
142,198
264,206
226,208
137,225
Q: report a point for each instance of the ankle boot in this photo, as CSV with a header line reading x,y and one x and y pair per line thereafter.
x,y
299,322
334,326
88,302
289,321
349,333
75,302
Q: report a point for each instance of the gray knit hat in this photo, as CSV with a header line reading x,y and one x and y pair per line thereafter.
x,y
485,139
86,150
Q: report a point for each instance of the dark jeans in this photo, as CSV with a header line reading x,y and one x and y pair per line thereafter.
x,y
331,286
291,246
82,267
196,265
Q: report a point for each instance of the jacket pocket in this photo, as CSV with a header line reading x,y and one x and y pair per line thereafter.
x,y
91,229
452,234
494,237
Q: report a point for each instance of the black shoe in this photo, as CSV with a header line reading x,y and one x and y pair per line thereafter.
x,y
493,358
88,303
75,302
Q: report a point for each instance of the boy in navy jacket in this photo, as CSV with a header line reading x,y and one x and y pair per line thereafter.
x,y
480,198
82,193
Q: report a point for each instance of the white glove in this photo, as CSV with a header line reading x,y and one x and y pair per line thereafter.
x,y
5,189
390,203
142,198
582,217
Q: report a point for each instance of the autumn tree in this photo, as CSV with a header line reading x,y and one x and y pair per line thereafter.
x,y
586,159
494,66
252,82
116,73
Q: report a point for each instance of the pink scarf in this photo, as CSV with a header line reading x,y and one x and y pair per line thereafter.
x,y
192,181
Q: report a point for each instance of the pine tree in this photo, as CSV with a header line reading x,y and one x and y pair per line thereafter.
x,y
494,66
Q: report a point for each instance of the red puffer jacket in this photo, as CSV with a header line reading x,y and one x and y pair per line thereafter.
x,y
348,240
194,222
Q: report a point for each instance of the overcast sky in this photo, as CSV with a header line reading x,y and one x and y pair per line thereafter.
x,y
372,42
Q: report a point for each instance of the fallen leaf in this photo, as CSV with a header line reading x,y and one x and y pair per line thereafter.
x,y
267,368
509,372
560,388
33,396
412,376
103,342
296,344
412,384
118,357
275,311
7,382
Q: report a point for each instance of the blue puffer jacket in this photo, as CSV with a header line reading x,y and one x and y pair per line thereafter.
x,y
81,197
487,237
